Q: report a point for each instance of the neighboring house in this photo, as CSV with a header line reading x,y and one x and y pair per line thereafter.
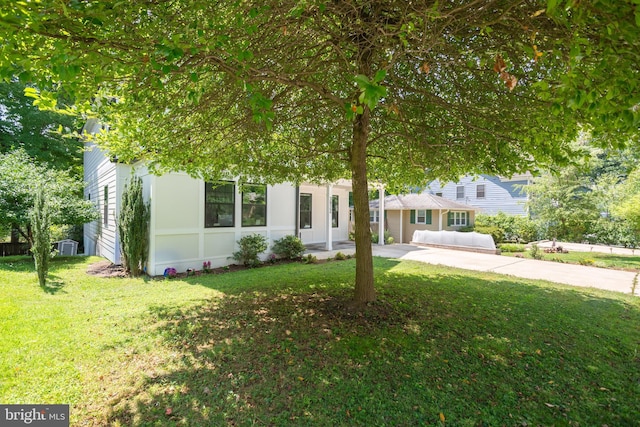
x,y
193,221
492,194
405,214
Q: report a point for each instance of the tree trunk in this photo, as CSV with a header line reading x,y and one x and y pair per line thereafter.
x,y
15,234
364,289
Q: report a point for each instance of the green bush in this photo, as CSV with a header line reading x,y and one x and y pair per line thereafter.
x,y
250,247
512,247
310,259
289,247
513,228
133,228
340,256
387,238
495,232
535,251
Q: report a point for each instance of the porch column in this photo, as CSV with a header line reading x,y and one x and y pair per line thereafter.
x,y
401,221
328,231
381,215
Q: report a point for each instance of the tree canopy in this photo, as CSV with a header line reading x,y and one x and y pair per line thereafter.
x,y
20,180
44,135
389,91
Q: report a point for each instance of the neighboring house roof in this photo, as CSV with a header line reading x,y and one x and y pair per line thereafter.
x,y
420,201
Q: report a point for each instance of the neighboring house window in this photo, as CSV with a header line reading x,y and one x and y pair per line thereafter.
x,y
457,218
305,210
219,204
254,205
480,191
373,216
460,192
105,206
334,211
420,216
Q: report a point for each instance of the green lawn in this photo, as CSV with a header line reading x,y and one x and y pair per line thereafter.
x,y
595,259
282,345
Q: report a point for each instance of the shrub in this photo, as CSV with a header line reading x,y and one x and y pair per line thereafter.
x,y
133,228
586,261
41,246
512,247
310,259
250,248
340,256
496,233
289,247
387,238
535,252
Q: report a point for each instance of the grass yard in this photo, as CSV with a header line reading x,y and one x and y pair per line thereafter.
x,y
281,346
595,259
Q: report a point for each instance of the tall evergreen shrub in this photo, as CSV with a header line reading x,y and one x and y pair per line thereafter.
x,y
133,228
40,219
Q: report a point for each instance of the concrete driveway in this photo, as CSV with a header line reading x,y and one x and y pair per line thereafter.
x,y
575,275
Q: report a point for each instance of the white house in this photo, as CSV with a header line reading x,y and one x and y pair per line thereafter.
x,y
193,221
492,194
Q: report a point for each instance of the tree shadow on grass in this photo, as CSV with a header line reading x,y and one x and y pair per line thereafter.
x,y
482,351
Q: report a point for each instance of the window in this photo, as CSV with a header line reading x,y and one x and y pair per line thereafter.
x,y
334,211
219,204
480,191
373,216
105,206
420,216
458,218
439,194
460,192
254,205
305,210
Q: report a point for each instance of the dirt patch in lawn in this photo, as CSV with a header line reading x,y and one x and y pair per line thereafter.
x,y
106,269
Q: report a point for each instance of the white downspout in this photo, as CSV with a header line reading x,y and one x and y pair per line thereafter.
x,y
442,213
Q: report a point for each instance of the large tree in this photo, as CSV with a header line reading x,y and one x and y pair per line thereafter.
x,y
42,134
22,178
397,92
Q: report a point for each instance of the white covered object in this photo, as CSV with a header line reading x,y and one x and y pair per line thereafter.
x,y
454,238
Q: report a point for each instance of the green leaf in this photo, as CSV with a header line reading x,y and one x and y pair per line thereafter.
x,y
380,75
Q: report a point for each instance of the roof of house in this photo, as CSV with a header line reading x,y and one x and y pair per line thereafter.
x,y
420,201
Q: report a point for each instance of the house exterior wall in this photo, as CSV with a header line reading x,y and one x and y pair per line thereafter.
x,y
100,236
500,194
317,233
394,217
178,236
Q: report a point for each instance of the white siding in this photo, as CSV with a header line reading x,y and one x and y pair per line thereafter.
x,y
100,236
500,195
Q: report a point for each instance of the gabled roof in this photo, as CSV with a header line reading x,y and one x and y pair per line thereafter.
x,y
420,201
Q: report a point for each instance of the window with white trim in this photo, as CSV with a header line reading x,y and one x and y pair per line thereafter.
x,y
480,191
459,218
373,216
460,192
421,216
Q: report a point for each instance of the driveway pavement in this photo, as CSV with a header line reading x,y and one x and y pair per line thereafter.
x,y
575,275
